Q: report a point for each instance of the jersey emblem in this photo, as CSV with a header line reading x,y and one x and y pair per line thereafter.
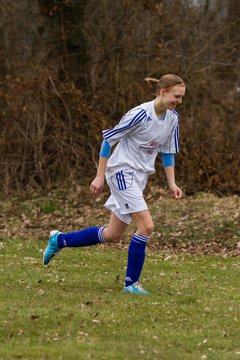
x,y
150,148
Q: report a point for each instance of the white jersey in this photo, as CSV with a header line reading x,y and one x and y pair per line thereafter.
x,y
141,135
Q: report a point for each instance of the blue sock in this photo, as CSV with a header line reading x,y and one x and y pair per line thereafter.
x,y
86,237
136,257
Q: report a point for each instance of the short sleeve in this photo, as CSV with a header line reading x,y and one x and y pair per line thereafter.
x,y
131,121
171,146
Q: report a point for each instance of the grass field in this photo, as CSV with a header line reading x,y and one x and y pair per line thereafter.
x,y
75,308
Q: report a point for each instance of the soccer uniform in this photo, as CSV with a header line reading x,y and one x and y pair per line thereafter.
x,y
140,135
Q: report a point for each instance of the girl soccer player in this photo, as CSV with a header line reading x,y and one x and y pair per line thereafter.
x,y
141,134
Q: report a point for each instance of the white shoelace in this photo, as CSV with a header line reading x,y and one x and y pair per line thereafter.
x,y
138,286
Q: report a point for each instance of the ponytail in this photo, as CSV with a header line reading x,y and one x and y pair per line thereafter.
x,y
165,82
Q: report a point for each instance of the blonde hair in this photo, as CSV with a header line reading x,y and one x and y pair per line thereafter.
x,y
165,82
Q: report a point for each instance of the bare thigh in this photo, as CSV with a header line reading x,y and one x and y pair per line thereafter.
x,y
144,222
115,229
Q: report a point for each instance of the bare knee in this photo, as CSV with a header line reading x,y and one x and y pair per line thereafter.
x,y
144,222
146,230
110,236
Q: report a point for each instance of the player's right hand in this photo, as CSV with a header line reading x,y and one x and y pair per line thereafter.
x,y
97,185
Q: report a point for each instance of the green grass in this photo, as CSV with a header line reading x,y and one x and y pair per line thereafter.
x,y
75,308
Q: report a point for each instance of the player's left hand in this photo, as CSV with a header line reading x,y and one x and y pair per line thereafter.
x,y
175,192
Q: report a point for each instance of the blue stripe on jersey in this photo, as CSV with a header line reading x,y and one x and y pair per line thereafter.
x,y
176,139
133,119
137,118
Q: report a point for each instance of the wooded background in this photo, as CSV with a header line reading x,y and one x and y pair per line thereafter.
x,y
71,68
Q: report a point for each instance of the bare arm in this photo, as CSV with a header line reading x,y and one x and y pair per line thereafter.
x,y
98,183
175,191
